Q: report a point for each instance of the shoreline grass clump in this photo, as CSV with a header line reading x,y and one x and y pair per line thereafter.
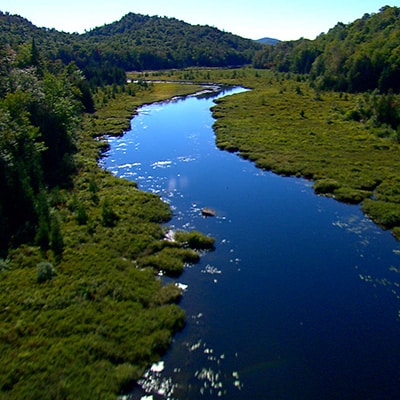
x,y
195,240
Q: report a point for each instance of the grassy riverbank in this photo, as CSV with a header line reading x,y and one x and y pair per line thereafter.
x,y
286,126
84,323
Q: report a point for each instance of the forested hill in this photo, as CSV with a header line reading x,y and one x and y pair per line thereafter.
x,y
139,41
136,42
363,55
16,30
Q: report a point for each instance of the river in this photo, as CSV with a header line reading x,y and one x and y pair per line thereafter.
x,y
300,299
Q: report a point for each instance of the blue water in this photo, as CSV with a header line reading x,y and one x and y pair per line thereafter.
x,y
300,299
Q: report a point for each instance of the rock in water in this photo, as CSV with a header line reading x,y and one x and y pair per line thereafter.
x,y
208,212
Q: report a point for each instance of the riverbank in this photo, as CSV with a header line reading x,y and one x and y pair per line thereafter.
x,y
312,271
91,327
286,126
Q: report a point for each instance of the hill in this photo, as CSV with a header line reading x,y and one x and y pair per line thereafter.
x,y
136,42
155,42
360,56
268,40
16,31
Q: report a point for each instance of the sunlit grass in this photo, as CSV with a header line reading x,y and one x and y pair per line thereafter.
x,y
85,326
285,126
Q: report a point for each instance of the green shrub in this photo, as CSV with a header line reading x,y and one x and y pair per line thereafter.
x,y
396,232
125,376
81,215
383,213
352,196
108,216
56,238
45,272
169,294
4,264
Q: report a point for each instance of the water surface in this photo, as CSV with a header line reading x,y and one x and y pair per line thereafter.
x,y
300,299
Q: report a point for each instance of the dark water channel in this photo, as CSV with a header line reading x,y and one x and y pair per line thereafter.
x,y
300,299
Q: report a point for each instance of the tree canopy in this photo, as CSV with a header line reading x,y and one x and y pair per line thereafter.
x,y
360,56
136,42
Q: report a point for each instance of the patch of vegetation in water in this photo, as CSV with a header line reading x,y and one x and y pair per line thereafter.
x,y
195,240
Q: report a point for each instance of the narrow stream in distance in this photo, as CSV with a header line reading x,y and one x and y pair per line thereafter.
x,y
300,299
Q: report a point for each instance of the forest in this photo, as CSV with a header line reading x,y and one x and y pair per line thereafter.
x,y
361,56
136,42
64,270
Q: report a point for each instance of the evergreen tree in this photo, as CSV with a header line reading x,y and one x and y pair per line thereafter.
x,y
56,238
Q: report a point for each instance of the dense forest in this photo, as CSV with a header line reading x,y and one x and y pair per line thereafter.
x,y
63,267
136,42
363,55
39,113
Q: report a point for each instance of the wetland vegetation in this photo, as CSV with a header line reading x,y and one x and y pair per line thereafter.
x,y
286,125
84,315
82,312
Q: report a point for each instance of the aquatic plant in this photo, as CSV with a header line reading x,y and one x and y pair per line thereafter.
x,y
195,240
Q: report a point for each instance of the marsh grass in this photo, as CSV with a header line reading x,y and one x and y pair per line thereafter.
x,y
89,330
195,240
85,323
285,126
288,127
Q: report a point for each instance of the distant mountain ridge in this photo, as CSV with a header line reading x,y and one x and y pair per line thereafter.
x,y
268,40
359,56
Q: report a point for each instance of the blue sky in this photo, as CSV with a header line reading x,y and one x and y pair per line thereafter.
x,y
281,19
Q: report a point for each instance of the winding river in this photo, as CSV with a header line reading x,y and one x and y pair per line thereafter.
x,y
300,299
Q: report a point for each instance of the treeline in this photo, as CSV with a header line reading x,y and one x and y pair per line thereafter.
x,y
40,106
136,42
361,56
